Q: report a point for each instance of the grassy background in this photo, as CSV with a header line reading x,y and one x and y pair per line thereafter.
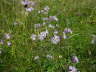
x,y
79,15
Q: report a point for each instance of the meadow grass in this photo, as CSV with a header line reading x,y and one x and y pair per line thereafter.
x,y
79,15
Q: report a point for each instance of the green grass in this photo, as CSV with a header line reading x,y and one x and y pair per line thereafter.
x,y
79,15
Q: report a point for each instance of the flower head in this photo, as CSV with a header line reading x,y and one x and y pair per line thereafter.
x,y
72,69
93,41
49,56
33,36
9,43
1,42
67,30
36,57
55,39
7,36
53,18
43,35
29,9
75,59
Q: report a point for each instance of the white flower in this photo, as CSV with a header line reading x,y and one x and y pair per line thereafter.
x,y
33,36
75,59
7,36
29,9
55,32
36,57
72,69
64,35
67,30
43,35
53,18
45,19
51,26
49,56
46,8
9,43
93,39
55,39
60,56
50,18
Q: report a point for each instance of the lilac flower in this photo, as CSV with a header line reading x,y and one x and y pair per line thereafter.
x,y
1,42
9,43
43,35
67,30
33,36
50,18
45,19
75,59
29,9
55,39
53,18
25,2
72,69
46,8
7,36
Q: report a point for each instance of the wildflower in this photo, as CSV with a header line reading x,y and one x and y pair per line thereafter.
x,y
33,36
55,32
45,19
53,18
50,18
37,25
43,35
46,8
29,9
51,26
25,2
75,59
64,35
36,57
1,42
0,51
55,39
93,39
60,56
44,23
67,30
49,56
9,43
72,69
7,36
